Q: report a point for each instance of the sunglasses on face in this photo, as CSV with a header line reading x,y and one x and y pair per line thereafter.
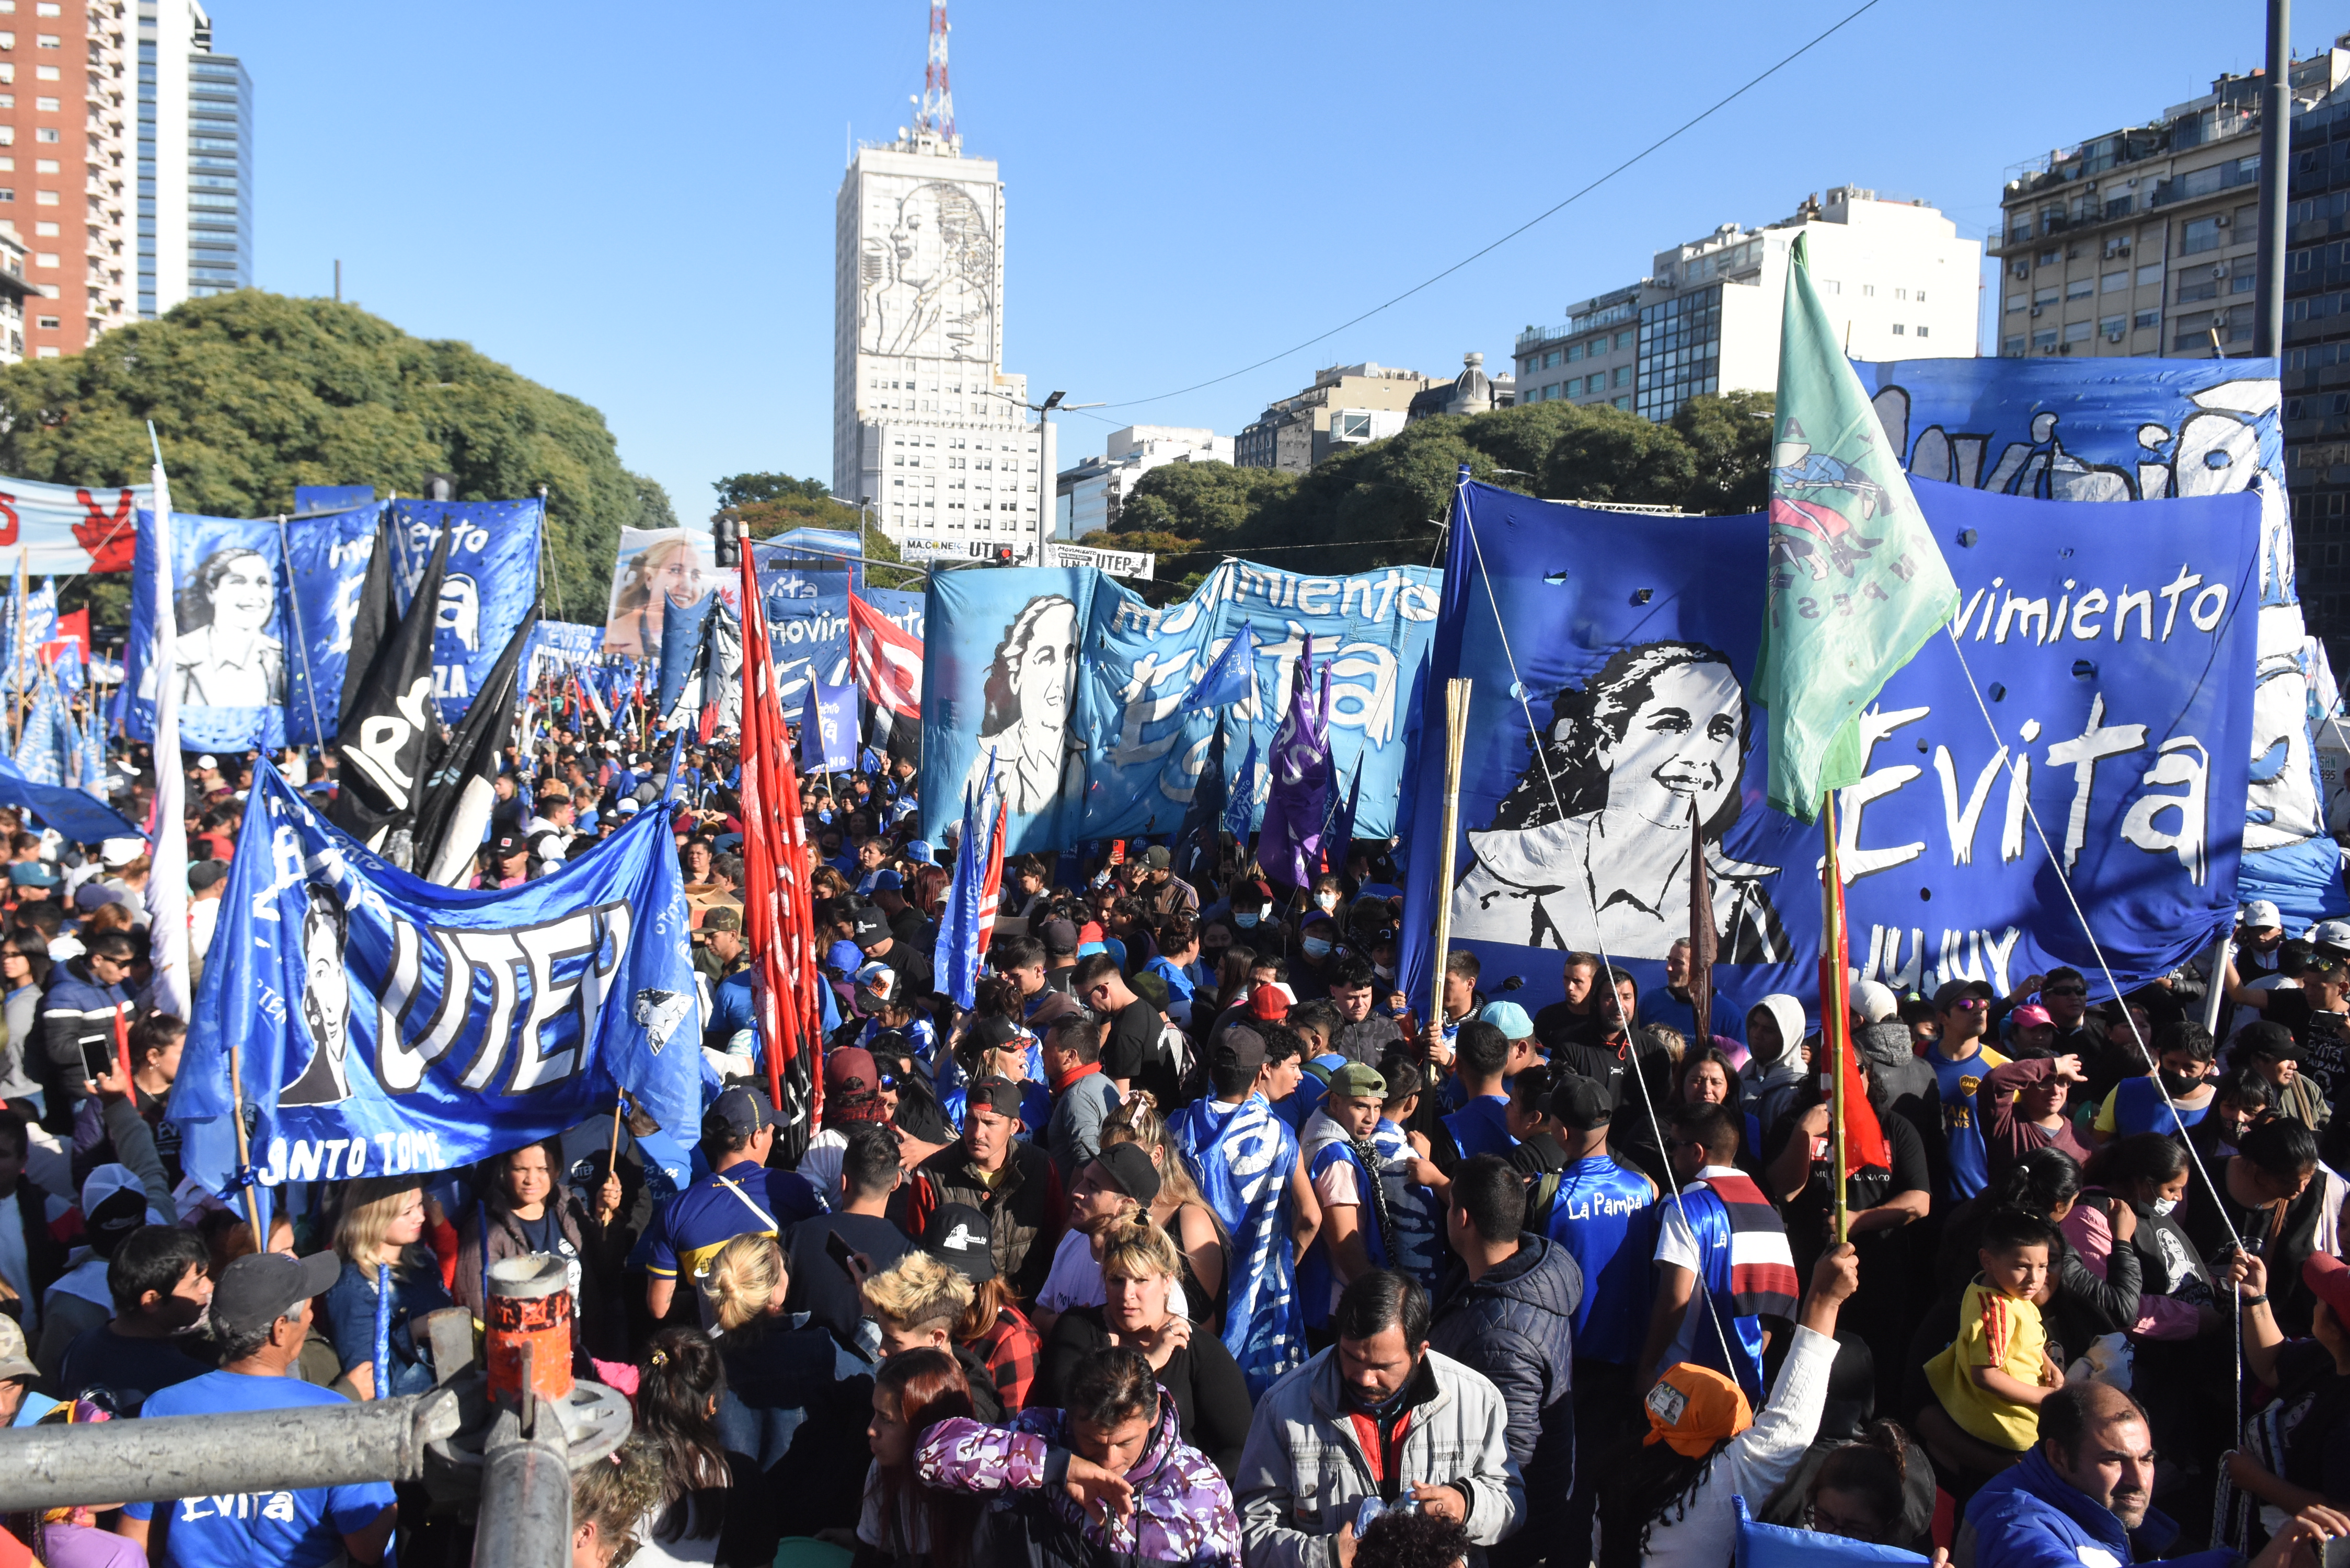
x,y
2067,990
1969,1004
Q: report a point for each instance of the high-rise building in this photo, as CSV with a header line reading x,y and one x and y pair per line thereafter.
x,y
1090,496
66,111
926,423
2316,368
2143,241
195,159
1895,279
1345,406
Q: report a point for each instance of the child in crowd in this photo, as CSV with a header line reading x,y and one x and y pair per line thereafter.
x,y
1992,1379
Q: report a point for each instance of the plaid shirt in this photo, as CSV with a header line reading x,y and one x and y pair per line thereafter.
x,y
1011,1350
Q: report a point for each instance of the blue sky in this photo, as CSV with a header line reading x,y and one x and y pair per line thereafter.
x,y
634,203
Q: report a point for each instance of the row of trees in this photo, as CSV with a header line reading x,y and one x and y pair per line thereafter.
x,y
256,393
1381,503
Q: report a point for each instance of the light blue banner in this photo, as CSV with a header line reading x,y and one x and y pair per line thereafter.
x,y
387,1025
1083,692
828,729
492,582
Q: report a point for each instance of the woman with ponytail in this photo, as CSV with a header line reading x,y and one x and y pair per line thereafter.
x,y
775,1374
712,1507
1879,1489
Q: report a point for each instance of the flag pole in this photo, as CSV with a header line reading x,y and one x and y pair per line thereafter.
x,y
1834,1015
1456,736
244,1150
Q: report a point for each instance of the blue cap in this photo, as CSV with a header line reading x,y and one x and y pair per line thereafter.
x,y
887,882
1509,1018
921,852
845,956
33,874
1086,949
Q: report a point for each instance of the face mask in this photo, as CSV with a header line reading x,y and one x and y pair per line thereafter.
x,y
2176,1085
1317,947
2163,1206
1245,920
1385,972
1327,900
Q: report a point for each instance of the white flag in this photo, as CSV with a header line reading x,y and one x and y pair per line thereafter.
x,y
167,882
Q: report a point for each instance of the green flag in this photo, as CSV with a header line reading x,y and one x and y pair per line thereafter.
x,y
1857,583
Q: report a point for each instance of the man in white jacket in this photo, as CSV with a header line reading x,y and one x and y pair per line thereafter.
x,y
1378,1416
1704,1448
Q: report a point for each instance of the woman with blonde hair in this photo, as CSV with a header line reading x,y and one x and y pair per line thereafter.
x,y
1139,1267
1177,1208
667,572
775,1372
607,1499
919,1303
380,1238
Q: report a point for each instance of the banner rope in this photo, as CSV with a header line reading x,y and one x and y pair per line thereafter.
x,y
1608,966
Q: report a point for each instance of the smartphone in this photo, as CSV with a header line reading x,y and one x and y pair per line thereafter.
x,y
1117,851
836,1248
98,1058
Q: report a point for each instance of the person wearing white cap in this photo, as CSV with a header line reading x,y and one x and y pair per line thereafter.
x,y
2259,942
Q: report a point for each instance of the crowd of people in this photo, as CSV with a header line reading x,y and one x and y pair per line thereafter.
x,y
1192,1241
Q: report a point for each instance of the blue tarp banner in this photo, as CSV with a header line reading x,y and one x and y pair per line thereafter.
x,y
492,582
70,811
1080,689
2132,430
1776,1546
246,677
387,1025
828,729
2113,661
903,609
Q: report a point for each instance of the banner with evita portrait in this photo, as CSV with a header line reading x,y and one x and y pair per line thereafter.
x,y
2094,693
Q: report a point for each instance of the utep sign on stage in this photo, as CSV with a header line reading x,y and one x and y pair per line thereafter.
x,y
2113,648
385,1024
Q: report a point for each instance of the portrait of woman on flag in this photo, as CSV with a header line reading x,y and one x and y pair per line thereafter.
x,y
1600,818
1030,686
226,654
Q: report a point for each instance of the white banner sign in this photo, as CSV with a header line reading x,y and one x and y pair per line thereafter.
x,y
1137,564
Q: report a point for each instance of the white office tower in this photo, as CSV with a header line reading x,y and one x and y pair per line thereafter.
x,y
926,424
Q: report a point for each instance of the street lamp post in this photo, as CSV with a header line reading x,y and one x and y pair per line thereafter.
x,y
1046,452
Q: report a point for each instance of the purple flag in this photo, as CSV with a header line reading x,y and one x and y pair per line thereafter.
x,y
1289,846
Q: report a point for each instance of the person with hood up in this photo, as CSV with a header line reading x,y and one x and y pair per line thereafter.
x,y
1899,1082
1103,1478
1774,1062
1506,1309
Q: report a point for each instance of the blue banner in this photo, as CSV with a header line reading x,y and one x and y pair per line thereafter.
x,y
2132,430
809,634
2112,661
386,1026
828,729
681,639
1115,750
492,582
556,645
903,609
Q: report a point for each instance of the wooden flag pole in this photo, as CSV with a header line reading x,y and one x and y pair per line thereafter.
x,y
1456,736
244,1150
612,1164
1835,1013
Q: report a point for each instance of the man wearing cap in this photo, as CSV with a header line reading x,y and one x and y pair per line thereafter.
x,y
1248,1170
1342,1166
1598,1212
718,946
113,1206
906,926
1012,1183
1961,1064
509,857
2317,1012
739,1196
873,936
261,1316
1161,891
1379,1413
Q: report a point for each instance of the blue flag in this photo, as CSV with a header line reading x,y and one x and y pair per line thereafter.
x,y
1242,1163
955,960
1200,846
828,729
69,811
387,1025
1248,793
42,745
1232,678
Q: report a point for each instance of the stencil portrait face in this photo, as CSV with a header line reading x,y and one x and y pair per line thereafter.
x,y
1679,745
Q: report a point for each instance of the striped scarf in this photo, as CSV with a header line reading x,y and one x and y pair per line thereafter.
x,y
1762,1281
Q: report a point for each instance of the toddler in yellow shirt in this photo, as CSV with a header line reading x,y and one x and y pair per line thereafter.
x,y
1993,1378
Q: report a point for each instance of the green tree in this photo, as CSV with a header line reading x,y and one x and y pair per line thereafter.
x,y
256,393
653,510
1729,435
1200,500
1373,505
744,489
1614,454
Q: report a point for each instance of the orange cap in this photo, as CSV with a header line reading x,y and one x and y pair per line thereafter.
x,y
1692,1409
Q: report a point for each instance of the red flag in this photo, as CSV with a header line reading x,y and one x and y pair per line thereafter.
x,y
991,879
1864,1138
75,628
889,660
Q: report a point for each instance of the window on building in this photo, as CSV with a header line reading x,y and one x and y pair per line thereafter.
x,y
1624,403
45,133
47,40
1900,293
2078,331
2113,326
1623,374
2081,288
2243,282
1869,291
47,323
2044,338
1550,359
1899,330
2044,296
1922,332
45,231
2146,318
1574,352
2114,281
2012,346
2200,235
2045,258
2017,301
45,8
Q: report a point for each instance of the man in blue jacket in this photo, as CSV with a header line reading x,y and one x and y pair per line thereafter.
x,y
2084,1498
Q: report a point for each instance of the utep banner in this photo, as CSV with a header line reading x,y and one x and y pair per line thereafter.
x,y
265,626
2112,658
387,1025
1079,690
491,584
2130,430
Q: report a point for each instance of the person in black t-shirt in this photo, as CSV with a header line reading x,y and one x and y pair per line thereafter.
x,y
1131,1057
821,1284
2318,1013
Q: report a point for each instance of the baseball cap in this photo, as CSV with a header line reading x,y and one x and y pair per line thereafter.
x,y
880,977
628,807
1509,1018
204,873
957,1237
1958,990
921,853
1579,1103
1131,1169
887,882
259,1288
118,853
738,1110
868,927
90,896
1087,949
1691,1408
1358,1081
14,1361
1267,1005
2031,1014
994,1031
2331,933
1874,1001
2260,915
2329,1278
845,956
506,846
1059,937
721,917
850,1068
113,1205
33,874
999,1095
1240,1047
1157,858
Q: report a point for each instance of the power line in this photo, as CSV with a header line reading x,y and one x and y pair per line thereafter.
x,y
1671,136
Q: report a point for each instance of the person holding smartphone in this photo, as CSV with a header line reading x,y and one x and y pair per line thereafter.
x,y
2318,1013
